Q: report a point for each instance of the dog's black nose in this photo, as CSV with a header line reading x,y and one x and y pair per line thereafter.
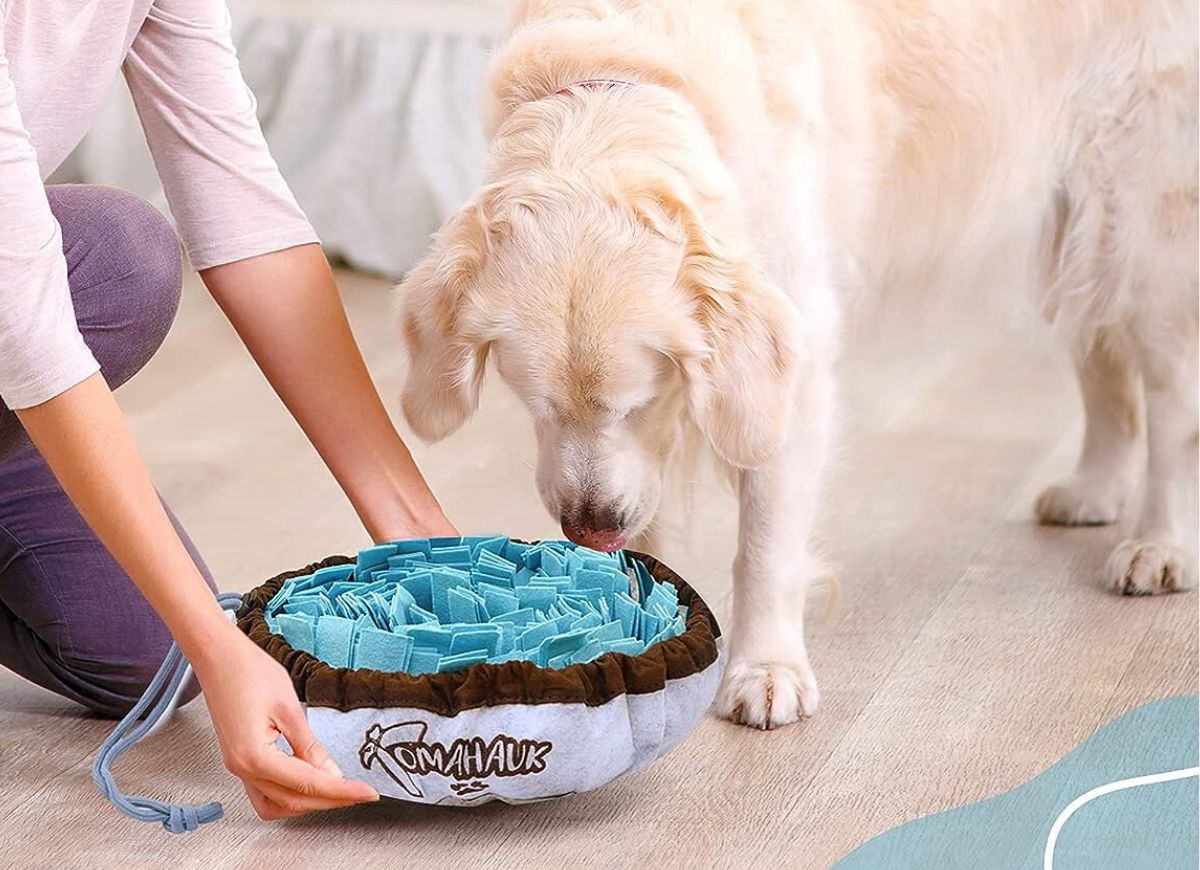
x,y
597,529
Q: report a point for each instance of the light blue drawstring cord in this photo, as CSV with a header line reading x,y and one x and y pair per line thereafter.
x,y
162,694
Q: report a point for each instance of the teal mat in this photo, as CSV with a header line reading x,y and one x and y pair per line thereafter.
x,y
1148,827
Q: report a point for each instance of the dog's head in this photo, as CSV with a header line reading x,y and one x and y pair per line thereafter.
x,y
606,287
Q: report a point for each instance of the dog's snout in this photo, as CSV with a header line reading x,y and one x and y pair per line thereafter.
x,y
597,527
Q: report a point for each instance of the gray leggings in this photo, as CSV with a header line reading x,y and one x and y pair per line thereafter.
x,y
70,619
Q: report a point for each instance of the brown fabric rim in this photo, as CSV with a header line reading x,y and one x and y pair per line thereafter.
x,y
487,685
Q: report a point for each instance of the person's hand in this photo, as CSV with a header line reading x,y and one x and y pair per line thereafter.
x,y
431,524
253,703
400,511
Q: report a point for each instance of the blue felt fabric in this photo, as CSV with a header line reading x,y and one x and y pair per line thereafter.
x,y
443,604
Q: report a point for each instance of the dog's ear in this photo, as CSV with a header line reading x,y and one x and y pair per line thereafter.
x,y
446,362
741,371
741,390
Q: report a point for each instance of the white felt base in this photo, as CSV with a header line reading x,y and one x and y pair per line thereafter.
x,y
513,753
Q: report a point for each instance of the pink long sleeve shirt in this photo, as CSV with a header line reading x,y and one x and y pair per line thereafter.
x,y
58,59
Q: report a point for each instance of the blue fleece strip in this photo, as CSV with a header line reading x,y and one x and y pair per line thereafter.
x,y
460,601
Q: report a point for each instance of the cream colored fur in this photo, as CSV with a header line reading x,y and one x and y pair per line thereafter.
x,y
672,257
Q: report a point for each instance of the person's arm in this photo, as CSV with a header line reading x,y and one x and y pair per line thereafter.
x,y
286,308
87,444
50,379
256,251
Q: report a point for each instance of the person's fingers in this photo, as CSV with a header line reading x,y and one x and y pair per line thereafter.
x,y
293,724
296,775
266,809
292,803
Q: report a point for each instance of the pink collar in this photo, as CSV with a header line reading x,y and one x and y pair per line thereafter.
x,y
595,85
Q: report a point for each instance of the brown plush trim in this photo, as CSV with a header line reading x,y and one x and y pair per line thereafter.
x,y
485,685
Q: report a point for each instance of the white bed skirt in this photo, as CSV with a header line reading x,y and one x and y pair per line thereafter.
x,y
373,109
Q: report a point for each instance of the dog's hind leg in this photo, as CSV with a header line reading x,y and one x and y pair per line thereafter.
x,y
1123,287
1155,152
1105,474
1162,556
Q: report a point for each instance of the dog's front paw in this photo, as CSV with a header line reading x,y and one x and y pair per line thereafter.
x,y
1148,567
767,695
1081,501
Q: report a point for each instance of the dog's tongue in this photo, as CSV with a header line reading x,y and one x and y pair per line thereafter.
x,y
604,540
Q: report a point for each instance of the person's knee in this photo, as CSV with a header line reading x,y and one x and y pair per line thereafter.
x,y
123,238
153,260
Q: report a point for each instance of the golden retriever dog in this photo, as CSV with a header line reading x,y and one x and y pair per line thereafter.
x,y
681,195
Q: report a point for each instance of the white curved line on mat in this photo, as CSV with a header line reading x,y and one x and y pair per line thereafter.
x,y
1100,791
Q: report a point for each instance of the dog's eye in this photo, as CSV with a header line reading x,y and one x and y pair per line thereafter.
x,y
613,414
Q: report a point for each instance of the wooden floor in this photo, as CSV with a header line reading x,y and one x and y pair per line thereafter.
x,y
972,648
